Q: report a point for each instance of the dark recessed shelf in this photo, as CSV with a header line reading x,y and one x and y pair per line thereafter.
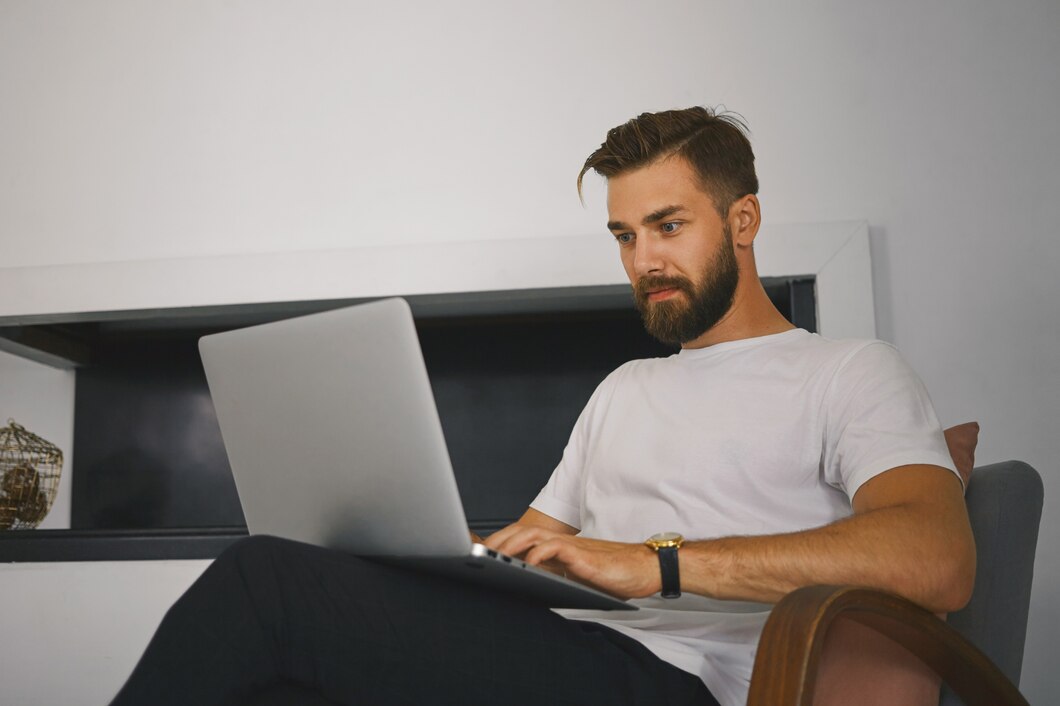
x,y
510,371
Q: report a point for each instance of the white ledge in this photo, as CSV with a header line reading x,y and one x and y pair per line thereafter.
x,y
837,254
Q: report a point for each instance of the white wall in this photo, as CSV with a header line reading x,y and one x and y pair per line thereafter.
x,y
85,626
132,130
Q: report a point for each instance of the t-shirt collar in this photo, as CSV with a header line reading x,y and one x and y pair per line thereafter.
x,y
753,342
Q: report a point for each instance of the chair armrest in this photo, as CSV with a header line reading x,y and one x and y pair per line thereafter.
x,y
785,669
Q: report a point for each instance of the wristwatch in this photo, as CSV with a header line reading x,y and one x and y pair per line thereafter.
x,y
666,545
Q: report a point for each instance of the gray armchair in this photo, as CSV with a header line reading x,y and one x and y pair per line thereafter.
x,y
978,651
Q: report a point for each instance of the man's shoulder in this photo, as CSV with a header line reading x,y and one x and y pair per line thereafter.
x,y
642,364
810,360
803,350
809,352
852,363
844,351
815,342
867,355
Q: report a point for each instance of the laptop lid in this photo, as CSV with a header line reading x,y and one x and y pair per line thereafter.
x,y
333,435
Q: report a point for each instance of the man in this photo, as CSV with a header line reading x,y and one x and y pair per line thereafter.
x,y
771,459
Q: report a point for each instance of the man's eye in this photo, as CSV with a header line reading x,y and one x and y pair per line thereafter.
x,y
670,227
624,238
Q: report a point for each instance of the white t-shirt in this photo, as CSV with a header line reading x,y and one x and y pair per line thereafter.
x,y
758,436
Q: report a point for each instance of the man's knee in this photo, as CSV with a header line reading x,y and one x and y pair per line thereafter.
x,y
256,552
263,560
261,555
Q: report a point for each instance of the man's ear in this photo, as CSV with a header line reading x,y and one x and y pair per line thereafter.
x,y
745,215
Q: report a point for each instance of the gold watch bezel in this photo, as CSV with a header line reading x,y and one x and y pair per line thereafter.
x,y
664,540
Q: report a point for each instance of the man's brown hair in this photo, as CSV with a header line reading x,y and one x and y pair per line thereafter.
x,y
716,146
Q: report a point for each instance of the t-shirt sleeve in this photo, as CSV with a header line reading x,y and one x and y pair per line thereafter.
x,y
561,498
878,416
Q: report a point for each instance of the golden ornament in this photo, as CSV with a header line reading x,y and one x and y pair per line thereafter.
x,y
29,477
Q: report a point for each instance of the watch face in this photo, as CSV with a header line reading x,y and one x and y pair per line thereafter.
x,y
666,537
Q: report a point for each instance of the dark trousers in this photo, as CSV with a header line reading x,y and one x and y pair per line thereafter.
x,y
271,621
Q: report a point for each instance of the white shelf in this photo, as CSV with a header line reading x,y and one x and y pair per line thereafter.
x,y
453,278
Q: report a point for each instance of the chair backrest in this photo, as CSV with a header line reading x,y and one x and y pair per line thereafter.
x,y
1005,507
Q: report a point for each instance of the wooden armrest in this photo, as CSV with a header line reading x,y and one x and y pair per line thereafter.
x,y
785,669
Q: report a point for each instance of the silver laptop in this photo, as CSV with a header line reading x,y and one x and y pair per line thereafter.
x,y
334,439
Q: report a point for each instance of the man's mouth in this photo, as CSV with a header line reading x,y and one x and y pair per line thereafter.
x,y
657,295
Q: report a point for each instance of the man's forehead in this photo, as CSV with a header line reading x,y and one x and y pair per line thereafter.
x,y
635,195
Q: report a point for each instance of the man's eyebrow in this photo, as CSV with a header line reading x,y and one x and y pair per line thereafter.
x,y
666,212
653,217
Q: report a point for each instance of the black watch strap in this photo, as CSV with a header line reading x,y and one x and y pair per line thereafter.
x,y
671,574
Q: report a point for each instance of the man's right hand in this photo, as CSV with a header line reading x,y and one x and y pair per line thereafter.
x,y
532,518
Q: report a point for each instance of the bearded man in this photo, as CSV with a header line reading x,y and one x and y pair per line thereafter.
x,y
703,487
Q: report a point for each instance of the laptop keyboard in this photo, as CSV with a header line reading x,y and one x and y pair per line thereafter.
x,y
505,558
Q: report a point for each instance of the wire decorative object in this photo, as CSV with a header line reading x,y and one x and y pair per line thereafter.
x,y
29,477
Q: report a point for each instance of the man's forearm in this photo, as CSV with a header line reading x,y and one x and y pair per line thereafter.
x,y
909,535
907,550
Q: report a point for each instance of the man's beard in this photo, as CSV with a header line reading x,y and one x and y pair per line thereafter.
x,y
676,321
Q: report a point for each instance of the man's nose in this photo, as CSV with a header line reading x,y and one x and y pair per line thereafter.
x,y
647,257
